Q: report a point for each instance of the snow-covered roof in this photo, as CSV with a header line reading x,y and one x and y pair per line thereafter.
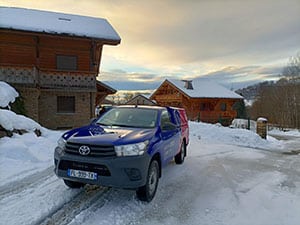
x,y
57,23
203,88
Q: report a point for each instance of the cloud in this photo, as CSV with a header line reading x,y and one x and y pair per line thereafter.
x,y
182,32
237,77
232,77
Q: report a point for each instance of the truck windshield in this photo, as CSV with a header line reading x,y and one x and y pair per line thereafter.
x,y
129,117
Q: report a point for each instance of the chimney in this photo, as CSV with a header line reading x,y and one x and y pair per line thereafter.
x,y
188,84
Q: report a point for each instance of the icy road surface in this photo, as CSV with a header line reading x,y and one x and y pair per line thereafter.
x,y
229,177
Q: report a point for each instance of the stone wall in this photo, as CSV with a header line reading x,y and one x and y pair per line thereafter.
x,y
50,118
41,106
31,100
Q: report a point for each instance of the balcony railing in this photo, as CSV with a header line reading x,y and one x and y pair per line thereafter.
x,y
168,97
18,75
47,78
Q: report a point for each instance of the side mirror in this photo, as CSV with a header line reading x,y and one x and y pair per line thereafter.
x,y
168,126
93,120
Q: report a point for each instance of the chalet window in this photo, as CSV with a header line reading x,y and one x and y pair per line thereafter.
x,y
223,106
206,106
65,104
66,62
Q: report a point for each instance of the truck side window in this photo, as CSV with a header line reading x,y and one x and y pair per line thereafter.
x,y
165,120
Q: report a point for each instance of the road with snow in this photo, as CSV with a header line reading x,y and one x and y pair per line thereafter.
x,y
230,176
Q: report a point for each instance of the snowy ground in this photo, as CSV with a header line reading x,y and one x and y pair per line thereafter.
x,y
231,176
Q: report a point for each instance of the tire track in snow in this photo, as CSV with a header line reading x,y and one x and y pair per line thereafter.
x,y
67,212
26,182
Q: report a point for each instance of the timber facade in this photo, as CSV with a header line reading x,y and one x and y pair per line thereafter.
x,y
55,74
202,108
140,100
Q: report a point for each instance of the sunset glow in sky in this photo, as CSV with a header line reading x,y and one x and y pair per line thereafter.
x,y
235,42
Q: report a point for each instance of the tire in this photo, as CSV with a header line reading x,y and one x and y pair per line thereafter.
x,y
147,192
73,184
179,158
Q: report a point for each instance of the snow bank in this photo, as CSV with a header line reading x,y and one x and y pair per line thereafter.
x,y
7,94
240,137
12,121
243,123
22,155
291,132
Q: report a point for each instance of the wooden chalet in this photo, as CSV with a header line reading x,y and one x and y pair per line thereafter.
x,y
53,59
203,100
140,100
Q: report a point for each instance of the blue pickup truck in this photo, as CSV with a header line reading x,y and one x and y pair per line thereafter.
x,y
125,147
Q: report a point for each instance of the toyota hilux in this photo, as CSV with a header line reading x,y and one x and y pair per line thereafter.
x,y
126,147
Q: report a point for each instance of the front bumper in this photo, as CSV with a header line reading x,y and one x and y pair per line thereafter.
x,y
120,172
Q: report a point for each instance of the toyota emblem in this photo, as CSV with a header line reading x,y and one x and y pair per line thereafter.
x,y
84,150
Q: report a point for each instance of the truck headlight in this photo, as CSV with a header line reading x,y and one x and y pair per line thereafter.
x,y
132,149
61,144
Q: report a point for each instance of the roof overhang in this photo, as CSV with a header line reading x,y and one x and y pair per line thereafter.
x,y
52,23
100,85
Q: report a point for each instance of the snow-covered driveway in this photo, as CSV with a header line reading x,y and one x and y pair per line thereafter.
x,y
229,177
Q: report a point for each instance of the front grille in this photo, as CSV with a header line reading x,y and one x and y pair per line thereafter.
x,y
99,169
96,150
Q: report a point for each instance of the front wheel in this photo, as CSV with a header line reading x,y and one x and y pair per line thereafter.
x,y
73,184
179,158
147,192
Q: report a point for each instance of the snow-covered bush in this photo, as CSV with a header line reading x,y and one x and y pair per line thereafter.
x,y
10,121
7,94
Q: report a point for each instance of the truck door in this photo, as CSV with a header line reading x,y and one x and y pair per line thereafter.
x,y
170,134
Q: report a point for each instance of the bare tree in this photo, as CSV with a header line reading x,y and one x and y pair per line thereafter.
x,y
292,73
280,102
292,70
128,96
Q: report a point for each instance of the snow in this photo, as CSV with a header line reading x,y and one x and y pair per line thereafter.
x,y
230,176
203,88
22,155
290,132
215,133
7,94
56,23
243,123
10,121
262,119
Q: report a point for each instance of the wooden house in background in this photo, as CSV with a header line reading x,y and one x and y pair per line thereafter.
x,y
53,59
140,100
203,100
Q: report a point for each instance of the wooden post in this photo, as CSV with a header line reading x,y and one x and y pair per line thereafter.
x,y
261,127
248,127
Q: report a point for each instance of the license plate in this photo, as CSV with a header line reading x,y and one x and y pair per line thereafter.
x,y
82,174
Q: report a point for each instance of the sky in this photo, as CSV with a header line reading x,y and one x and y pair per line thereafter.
x,y
232,42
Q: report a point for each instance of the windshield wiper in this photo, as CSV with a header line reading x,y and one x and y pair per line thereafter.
x,y
120,125
103,124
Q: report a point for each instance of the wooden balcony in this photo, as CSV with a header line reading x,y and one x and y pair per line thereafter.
x,y
48,78
66,79
18,75
168,97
